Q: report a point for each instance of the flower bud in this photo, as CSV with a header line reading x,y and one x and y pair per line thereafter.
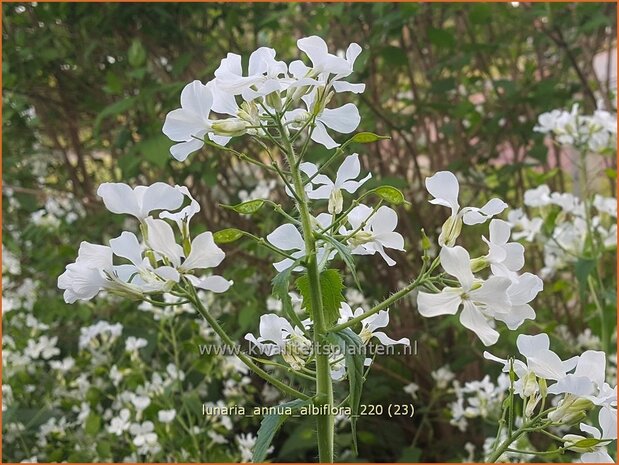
x,y
529,384
274,101
362,237
229,127
571,410
296,351
531,405
478,264
450,231
336,202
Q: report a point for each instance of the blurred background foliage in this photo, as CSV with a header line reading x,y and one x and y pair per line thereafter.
x,y
457,86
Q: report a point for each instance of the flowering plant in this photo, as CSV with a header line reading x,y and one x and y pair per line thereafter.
x,y
283,108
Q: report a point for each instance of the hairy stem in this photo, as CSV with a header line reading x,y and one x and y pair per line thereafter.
x,y
324,388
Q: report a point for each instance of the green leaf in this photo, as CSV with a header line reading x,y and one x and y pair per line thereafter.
x,y
93,424
114,109
225,236
441,37
280,290
136,54
390,194
367,138
583,268
269,426
331,287
246,208
354,354
587,443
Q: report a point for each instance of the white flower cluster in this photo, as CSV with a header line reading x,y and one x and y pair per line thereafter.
x,y
568,229
596,133
579,384
156,264
238,102
279,337
366,231
505,294
478,399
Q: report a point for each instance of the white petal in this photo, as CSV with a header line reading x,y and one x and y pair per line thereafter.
x,y
386,340
315,48
119,198
457,262
384,220
493,207
184,149
214,283
127,246
531,345
204,253
343,86
445,188
320,135
349,169
525,289
608,422
287,237
499,231
473,319
445,302
391,240
516,316
161,196
344,119
197,99
161,239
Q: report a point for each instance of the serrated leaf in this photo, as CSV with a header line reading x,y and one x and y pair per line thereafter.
x,y
367,138
390,194
246,208
225,236
331,287
354,354
269,426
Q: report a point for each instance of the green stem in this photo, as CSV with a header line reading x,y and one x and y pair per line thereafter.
x,y
384,304
244,358
324,388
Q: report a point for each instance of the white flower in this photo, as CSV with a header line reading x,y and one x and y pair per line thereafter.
x,y
288,238
373,231
140,201
264,74
505,257
143,434
344,119
345,179
606,205
133,344
140,402
204,254
442,377
594,453
527,228
445,188
166,416
370,325
482,301
118,425
588,381
541,362
191,123
44,347
183,216
277,336
411,389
